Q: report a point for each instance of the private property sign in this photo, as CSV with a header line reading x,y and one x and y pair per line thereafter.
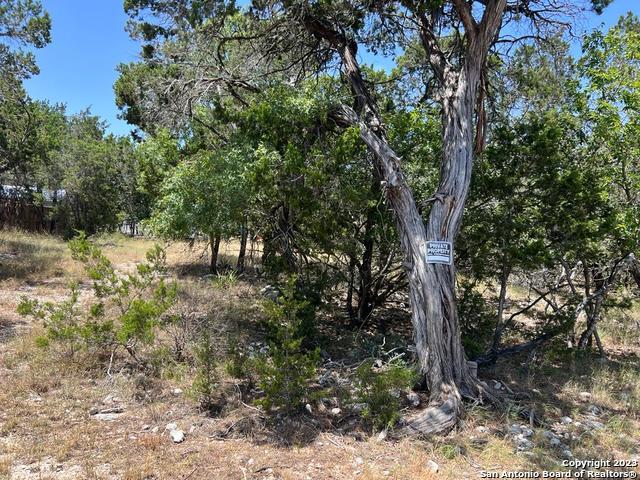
x,y
439,252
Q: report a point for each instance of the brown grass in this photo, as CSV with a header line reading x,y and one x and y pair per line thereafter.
x,y
46,428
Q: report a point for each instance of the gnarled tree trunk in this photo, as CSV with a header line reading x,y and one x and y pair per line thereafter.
x,y
434,310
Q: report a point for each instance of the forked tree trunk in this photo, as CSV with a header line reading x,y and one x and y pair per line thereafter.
x,y
434,310
431,286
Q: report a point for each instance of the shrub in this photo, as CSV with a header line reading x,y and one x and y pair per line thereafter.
x,y
206,381
238,364
285,370
127,307
380,389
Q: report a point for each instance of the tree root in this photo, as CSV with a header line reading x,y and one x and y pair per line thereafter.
x,y
433,419
443,417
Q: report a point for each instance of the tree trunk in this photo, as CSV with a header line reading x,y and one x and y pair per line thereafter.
x,y
244,233
214,242
635,270
365,297
349,301
434,311
431,286
504,278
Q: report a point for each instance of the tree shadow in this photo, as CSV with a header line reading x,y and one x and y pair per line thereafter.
x,y
23,257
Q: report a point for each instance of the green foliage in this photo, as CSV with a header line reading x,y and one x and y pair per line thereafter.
x,y
285,371
238,364
128,307
226,280
206,194
477,320
205,383
380,389
63,321
22,23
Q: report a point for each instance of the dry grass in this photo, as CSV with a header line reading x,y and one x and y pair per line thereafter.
x,y
46,430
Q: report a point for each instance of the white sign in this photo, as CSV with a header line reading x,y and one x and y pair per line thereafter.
x,y
439,252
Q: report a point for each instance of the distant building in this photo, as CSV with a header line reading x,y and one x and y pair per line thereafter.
x,y
28,208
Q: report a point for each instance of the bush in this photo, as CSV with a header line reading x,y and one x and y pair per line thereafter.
x,y
238,364
380,389
285,370
206,380
126,311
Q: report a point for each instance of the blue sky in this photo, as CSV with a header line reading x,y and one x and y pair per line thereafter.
x,y
89,41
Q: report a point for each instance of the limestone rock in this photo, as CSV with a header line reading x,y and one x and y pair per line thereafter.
x,y
177,436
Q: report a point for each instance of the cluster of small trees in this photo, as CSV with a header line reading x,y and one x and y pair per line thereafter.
x,y
91,175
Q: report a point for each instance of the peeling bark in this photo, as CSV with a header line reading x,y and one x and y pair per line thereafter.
x,y
440,353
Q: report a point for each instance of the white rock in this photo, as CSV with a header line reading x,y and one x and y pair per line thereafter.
x,y
413,398
523,443
567,453
593,424
106,417
171,426
382,435
584,396
145,427
359,461
308,408
482,429
433,466
515,429
566,420
177,436
526,431
34,397
336,411
155,429
594,410
177,391
270,292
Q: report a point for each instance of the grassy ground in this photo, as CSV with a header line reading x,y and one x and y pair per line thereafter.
x,y
47,432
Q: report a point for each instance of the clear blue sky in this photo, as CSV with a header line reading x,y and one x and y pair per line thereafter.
x,y
89,41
